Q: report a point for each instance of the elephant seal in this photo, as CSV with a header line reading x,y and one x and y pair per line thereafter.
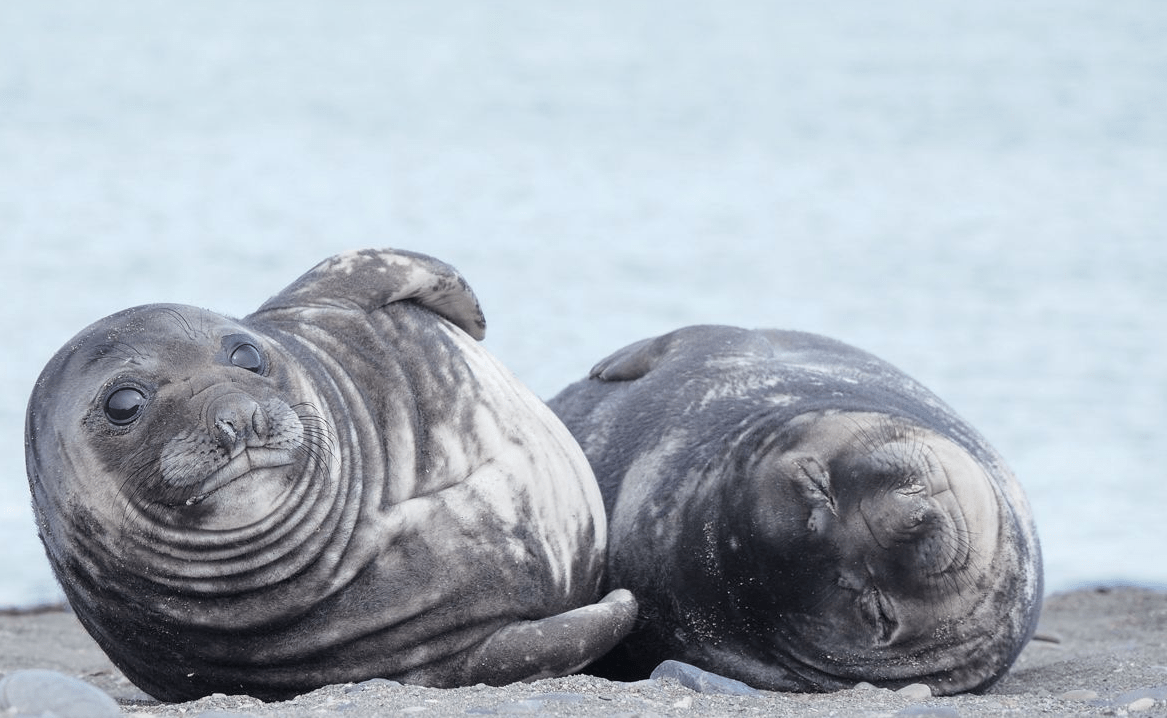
x,y
342,485
797,514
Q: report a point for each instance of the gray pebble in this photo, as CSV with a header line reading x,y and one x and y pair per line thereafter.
x,y
702,681
915,692
865,686
37,691
1080,694
1158,693
1141,704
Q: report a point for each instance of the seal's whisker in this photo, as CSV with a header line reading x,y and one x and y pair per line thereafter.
x,y
316,453
318,444
872,436
180,321
124,350
136,486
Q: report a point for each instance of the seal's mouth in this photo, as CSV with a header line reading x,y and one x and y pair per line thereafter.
x,y
242,464
236,437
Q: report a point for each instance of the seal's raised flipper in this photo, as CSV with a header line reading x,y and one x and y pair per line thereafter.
x,y
374,278
553,646
638,359
631,362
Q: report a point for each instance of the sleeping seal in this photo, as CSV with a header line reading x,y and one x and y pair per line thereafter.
x,y
799,515
342,485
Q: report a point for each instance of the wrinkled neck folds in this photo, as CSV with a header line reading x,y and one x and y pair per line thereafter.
x,y
223,529
272,511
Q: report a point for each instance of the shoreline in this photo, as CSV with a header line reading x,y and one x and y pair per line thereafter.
x,y
1098,651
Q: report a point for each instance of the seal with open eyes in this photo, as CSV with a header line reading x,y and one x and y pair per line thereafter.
x,y
800,515
340,486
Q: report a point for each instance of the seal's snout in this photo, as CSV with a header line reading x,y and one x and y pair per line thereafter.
x,y
236,421
894,517
237,436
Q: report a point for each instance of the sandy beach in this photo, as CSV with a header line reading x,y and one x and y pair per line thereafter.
x,y
1098,652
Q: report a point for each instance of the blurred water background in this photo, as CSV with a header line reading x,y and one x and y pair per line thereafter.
x,y
976,192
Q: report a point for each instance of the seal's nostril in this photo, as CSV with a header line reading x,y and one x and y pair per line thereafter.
x,y
225,433
234,420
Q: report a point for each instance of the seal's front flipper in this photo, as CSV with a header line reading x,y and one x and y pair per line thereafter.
x,y
374,278
553,646
702,341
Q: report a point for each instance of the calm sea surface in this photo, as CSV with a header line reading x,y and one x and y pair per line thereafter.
x,y
973,191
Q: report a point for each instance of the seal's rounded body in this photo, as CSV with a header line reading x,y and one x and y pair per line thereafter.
x,y
342,485
798,514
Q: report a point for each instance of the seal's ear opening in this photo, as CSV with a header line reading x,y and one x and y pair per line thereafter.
x,y
375,278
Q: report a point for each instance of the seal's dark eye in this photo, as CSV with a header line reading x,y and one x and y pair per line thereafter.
x,y
246,356
124,405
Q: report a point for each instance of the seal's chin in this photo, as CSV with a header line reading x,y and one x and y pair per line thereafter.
x,y
247,463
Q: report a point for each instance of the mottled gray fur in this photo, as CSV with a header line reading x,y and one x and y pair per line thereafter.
x,y
800,515
342,485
